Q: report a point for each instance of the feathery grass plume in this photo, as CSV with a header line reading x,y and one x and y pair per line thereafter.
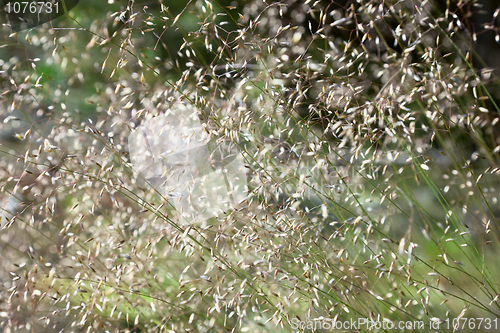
x,y
251,166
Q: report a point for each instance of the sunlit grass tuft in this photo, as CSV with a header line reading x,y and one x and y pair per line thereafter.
x,y
364,184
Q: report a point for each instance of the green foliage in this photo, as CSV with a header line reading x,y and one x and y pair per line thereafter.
x,y
367,131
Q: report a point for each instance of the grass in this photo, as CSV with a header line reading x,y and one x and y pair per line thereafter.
x,y
364,186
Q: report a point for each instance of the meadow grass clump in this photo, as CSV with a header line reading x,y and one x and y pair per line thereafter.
x,y
249,166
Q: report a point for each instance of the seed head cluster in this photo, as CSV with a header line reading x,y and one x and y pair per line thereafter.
x,y
210,166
